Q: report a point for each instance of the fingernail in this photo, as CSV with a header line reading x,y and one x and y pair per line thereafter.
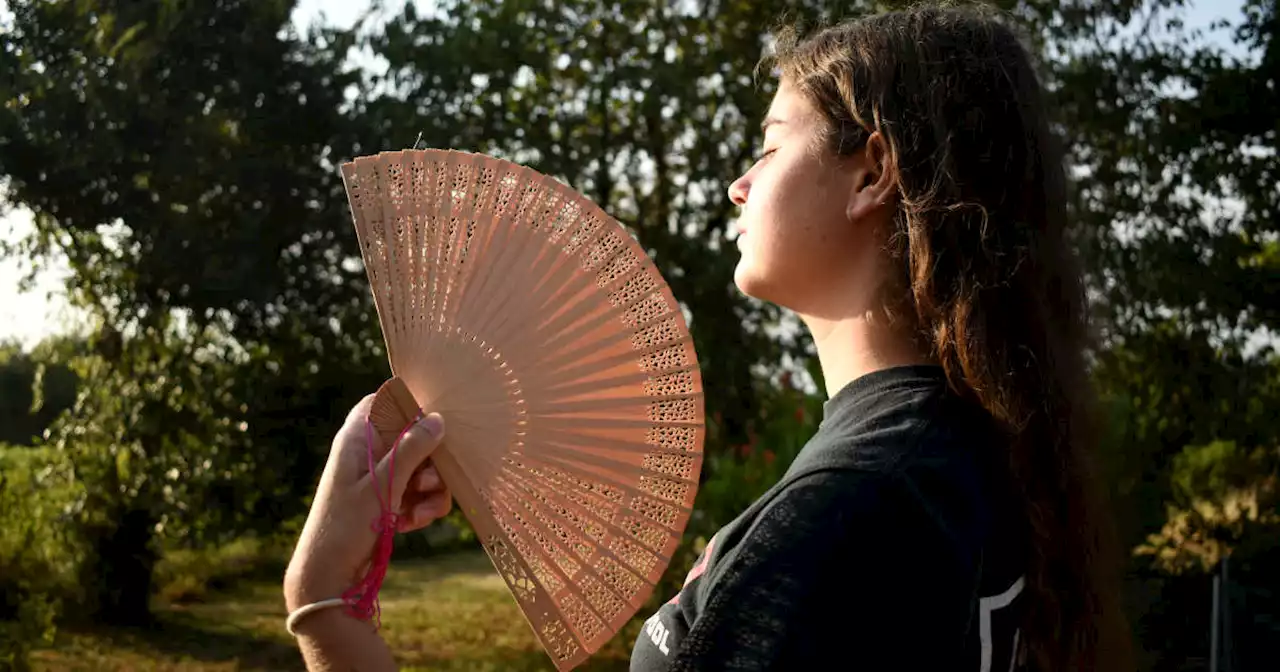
x,y
433,423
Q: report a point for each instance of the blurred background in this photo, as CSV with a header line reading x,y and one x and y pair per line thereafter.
x,y
186,321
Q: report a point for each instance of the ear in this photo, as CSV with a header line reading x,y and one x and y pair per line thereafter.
x,y
873,183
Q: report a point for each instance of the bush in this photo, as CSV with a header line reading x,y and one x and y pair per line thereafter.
x,y
34,564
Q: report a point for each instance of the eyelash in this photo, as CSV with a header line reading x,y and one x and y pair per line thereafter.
x,y
766,154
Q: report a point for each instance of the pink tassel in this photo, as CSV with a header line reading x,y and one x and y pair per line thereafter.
x,y
362,598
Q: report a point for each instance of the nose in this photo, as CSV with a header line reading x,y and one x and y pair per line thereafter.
x,y
738,191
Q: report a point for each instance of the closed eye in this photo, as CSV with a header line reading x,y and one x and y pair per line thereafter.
x,y
767,153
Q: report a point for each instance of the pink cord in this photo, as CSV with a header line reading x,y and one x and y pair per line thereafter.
x,y
362,598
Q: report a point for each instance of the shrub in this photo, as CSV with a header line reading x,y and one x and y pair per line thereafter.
x,y
34,565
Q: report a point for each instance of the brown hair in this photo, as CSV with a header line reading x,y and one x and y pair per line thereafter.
x,y
985,273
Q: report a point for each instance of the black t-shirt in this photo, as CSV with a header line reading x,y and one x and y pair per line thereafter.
x,y
891,543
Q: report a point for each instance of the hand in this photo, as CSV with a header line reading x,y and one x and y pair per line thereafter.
x,y
338,538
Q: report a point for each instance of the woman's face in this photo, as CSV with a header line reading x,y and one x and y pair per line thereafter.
x,y
797,232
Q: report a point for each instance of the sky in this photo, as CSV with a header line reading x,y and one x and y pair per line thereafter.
x,y
42,310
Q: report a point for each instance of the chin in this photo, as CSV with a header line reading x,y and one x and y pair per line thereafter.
x,y
768,287
751,282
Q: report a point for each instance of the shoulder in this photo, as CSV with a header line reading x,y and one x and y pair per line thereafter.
x,y
923,473
915,478
933,503
813,512
836,558
901,419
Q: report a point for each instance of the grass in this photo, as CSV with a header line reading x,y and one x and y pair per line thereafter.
x,y
452,612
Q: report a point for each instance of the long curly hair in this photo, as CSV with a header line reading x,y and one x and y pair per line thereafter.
x,y
985,274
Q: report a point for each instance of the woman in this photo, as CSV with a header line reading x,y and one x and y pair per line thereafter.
x,y
909,206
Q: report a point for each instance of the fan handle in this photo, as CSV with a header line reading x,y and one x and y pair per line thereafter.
x,y
392,410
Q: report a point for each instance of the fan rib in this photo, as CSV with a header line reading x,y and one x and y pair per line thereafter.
x,y
605,507
544,568
499,237
579,466
504,290
555,540
579,516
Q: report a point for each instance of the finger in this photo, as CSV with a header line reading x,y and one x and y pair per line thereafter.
x,y
414,496
415,447
428,479
356,416
421,511
426,511
348,448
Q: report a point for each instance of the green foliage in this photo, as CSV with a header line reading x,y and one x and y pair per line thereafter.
x,y
31,395
1174,148
1226,500
155,450
159,148
34,567
738,476
176,154
1226,507
1211,471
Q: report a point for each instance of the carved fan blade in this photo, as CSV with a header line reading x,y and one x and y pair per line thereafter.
x,y
563,366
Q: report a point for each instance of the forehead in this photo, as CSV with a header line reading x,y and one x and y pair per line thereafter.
x,y
789,105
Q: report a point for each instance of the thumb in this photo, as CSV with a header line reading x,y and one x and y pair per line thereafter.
x,y
415,447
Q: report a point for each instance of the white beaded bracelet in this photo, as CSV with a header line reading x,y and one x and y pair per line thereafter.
x,y
292,622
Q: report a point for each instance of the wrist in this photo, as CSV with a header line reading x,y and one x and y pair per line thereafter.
x,y
302,587
316,619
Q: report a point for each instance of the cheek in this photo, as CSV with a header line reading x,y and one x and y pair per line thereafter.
x,y
800,218
796,242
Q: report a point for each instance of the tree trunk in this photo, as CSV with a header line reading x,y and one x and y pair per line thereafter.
x,y
122,571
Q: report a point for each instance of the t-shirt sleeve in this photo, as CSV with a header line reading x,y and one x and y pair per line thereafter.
x,y
839,571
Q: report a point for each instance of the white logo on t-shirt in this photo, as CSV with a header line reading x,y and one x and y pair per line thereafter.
x,y
987,605
658,633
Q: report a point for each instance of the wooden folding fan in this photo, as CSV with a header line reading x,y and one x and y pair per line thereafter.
x,y
543,333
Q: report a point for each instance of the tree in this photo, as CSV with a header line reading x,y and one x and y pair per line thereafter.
x,y
154,447
31,395
159,148
177,154
1175,152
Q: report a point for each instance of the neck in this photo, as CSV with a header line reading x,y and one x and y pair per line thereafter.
x,y
851,347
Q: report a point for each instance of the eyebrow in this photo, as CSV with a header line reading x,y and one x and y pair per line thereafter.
x,y
770,121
